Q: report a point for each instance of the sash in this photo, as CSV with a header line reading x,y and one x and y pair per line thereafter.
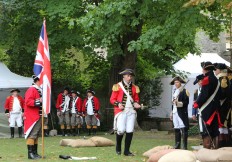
x,y
209,99
127,94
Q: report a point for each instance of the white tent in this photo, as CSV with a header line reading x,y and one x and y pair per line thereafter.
x,y
191,65
9,80
12,80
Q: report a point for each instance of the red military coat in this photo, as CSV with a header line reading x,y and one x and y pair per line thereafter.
x,y
78,105
9,103
96,105
31,112
59,101
117,96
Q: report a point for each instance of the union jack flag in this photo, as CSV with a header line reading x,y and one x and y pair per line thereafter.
x,y
42,68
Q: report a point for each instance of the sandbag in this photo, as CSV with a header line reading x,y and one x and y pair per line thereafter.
x,y
65,142
101,141
53,132
179,156
156,149
82,143
220,155
156,156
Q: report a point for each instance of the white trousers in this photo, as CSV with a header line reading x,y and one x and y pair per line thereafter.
x,y
16,118
177,121
125,122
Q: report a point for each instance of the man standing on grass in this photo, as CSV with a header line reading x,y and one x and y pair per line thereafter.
x,y
225,103
125,99
179,114
196,94
208,104
14,111
76,110
63,111
32,118
91,107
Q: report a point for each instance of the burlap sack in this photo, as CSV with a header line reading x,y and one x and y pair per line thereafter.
x,y
156,149
82,143
65,142
220,155
226,148
156,156
53,133
179,156
101,141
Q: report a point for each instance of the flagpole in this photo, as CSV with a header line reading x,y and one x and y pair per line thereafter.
x,y
42,133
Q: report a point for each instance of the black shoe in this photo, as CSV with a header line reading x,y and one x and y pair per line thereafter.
x,y
35,148
46,133
129,154
31,154
62,132
118,152
89,132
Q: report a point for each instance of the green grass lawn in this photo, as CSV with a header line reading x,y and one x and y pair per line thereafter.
x,y
12,150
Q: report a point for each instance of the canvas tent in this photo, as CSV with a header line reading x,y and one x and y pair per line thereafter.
x,y
191,65
9,80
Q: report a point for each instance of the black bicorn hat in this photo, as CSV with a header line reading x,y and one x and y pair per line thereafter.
x,y
35,78
177,78
76,92
207,65
90,90
220,66
127,71
15,89
198,78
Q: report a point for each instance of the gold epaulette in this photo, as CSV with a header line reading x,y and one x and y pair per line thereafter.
x,y
137,89
115,87
187,93
224,82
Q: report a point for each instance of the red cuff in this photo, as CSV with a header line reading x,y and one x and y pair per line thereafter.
x,y
195,105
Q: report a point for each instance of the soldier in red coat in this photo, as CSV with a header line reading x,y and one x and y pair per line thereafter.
x,y
90,108
14,111
63,111
125,99
76,111
32,118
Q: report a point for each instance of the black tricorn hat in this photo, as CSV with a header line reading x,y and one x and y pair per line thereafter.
x,y
66,89
15,89
76,92
198,78
177,78
90,90
127,71
220,66
207,65
35,78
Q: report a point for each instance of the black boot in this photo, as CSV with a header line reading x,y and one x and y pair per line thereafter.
x,y
118,144
62,132
68,132
127,144
177,139
31,154
11,132
35,148
94,131
46,133
89,132
20,129
185,138
74,131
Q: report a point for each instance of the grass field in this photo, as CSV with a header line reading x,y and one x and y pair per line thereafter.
x,y
12,150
